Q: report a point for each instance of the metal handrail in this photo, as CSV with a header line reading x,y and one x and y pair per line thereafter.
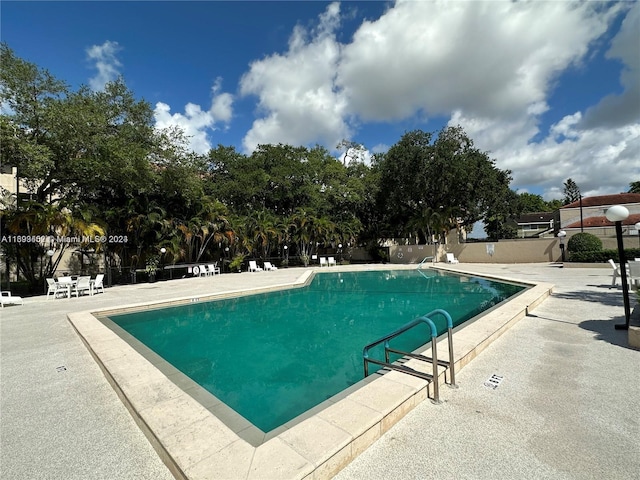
x,y
424,260
433,360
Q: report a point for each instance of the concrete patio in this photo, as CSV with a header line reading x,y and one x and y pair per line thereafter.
x,y
567,406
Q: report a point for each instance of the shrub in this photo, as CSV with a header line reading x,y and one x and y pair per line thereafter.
x,y
584,242
602,256
236,263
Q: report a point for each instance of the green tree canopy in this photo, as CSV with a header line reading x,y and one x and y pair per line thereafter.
x,y
429,185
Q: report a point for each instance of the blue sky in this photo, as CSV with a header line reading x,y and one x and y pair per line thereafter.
x,y
550,89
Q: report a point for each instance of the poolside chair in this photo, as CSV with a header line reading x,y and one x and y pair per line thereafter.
x,y
97,283
53,288
7,299
213,269
323,262
634,273
616,272
83,285
65,284
269,266
253,266
451,258
331,261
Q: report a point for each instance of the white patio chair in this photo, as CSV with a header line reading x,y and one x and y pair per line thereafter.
x,y
451,258
331,261
83,285
213,269
53,288
323,262
65,284
634,273
253,266
615,273
7,299
268,266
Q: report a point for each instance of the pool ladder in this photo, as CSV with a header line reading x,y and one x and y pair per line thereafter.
x,y
433,360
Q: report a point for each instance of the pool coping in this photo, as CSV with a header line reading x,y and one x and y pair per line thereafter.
x,y
195,444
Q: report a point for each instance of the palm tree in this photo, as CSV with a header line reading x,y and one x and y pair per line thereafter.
x,y
261,227
43,227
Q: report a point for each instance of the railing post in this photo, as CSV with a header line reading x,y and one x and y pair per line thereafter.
x,y
452,368
436,386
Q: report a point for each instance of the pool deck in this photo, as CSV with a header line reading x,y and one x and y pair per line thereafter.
x,y
567,407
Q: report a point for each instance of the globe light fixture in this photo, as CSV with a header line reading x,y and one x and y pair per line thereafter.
x,y
561,235
617,214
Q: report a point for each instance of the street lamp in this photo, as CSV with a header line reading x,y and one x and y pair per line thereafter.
x,y
162,252
340,253
617,214
50,254
561,235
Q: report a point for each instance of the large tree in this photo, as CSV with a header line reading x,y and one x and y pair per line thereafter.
x,y
429,185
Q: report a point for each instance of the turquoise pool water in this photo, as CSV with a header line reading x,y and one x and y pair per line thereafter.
x,y
273,356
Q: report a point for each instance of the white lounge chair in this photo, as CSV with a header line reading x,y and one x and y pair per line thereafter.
x,y
323,262
97,283
253,266
7,299
269,266
451,258
331,261
82,285
213,269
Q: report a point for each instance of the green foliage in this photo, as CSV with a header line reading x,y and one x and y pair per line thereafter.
x,y
634,187
584,242
531,203
236,263
601,256
428,186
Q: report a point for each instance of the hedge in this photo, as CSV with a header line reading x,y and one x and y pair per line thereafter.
x,y
600,256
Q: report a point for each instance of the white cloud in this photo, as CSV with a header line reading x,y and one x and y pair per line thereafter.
x,y
197,123
298,100
599,160
616,110
106,63
487,59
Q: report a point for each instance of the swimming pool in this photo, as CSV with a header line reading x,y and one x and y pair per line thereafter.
x,y
274,355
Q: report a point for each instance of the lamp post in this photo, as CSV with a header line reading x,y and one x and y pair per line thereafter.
x,y
50,254
162,252
340,253
617,214
561,235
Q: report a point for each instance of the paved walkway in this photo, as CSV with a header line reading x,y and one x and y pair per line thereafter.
x,y
567,408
